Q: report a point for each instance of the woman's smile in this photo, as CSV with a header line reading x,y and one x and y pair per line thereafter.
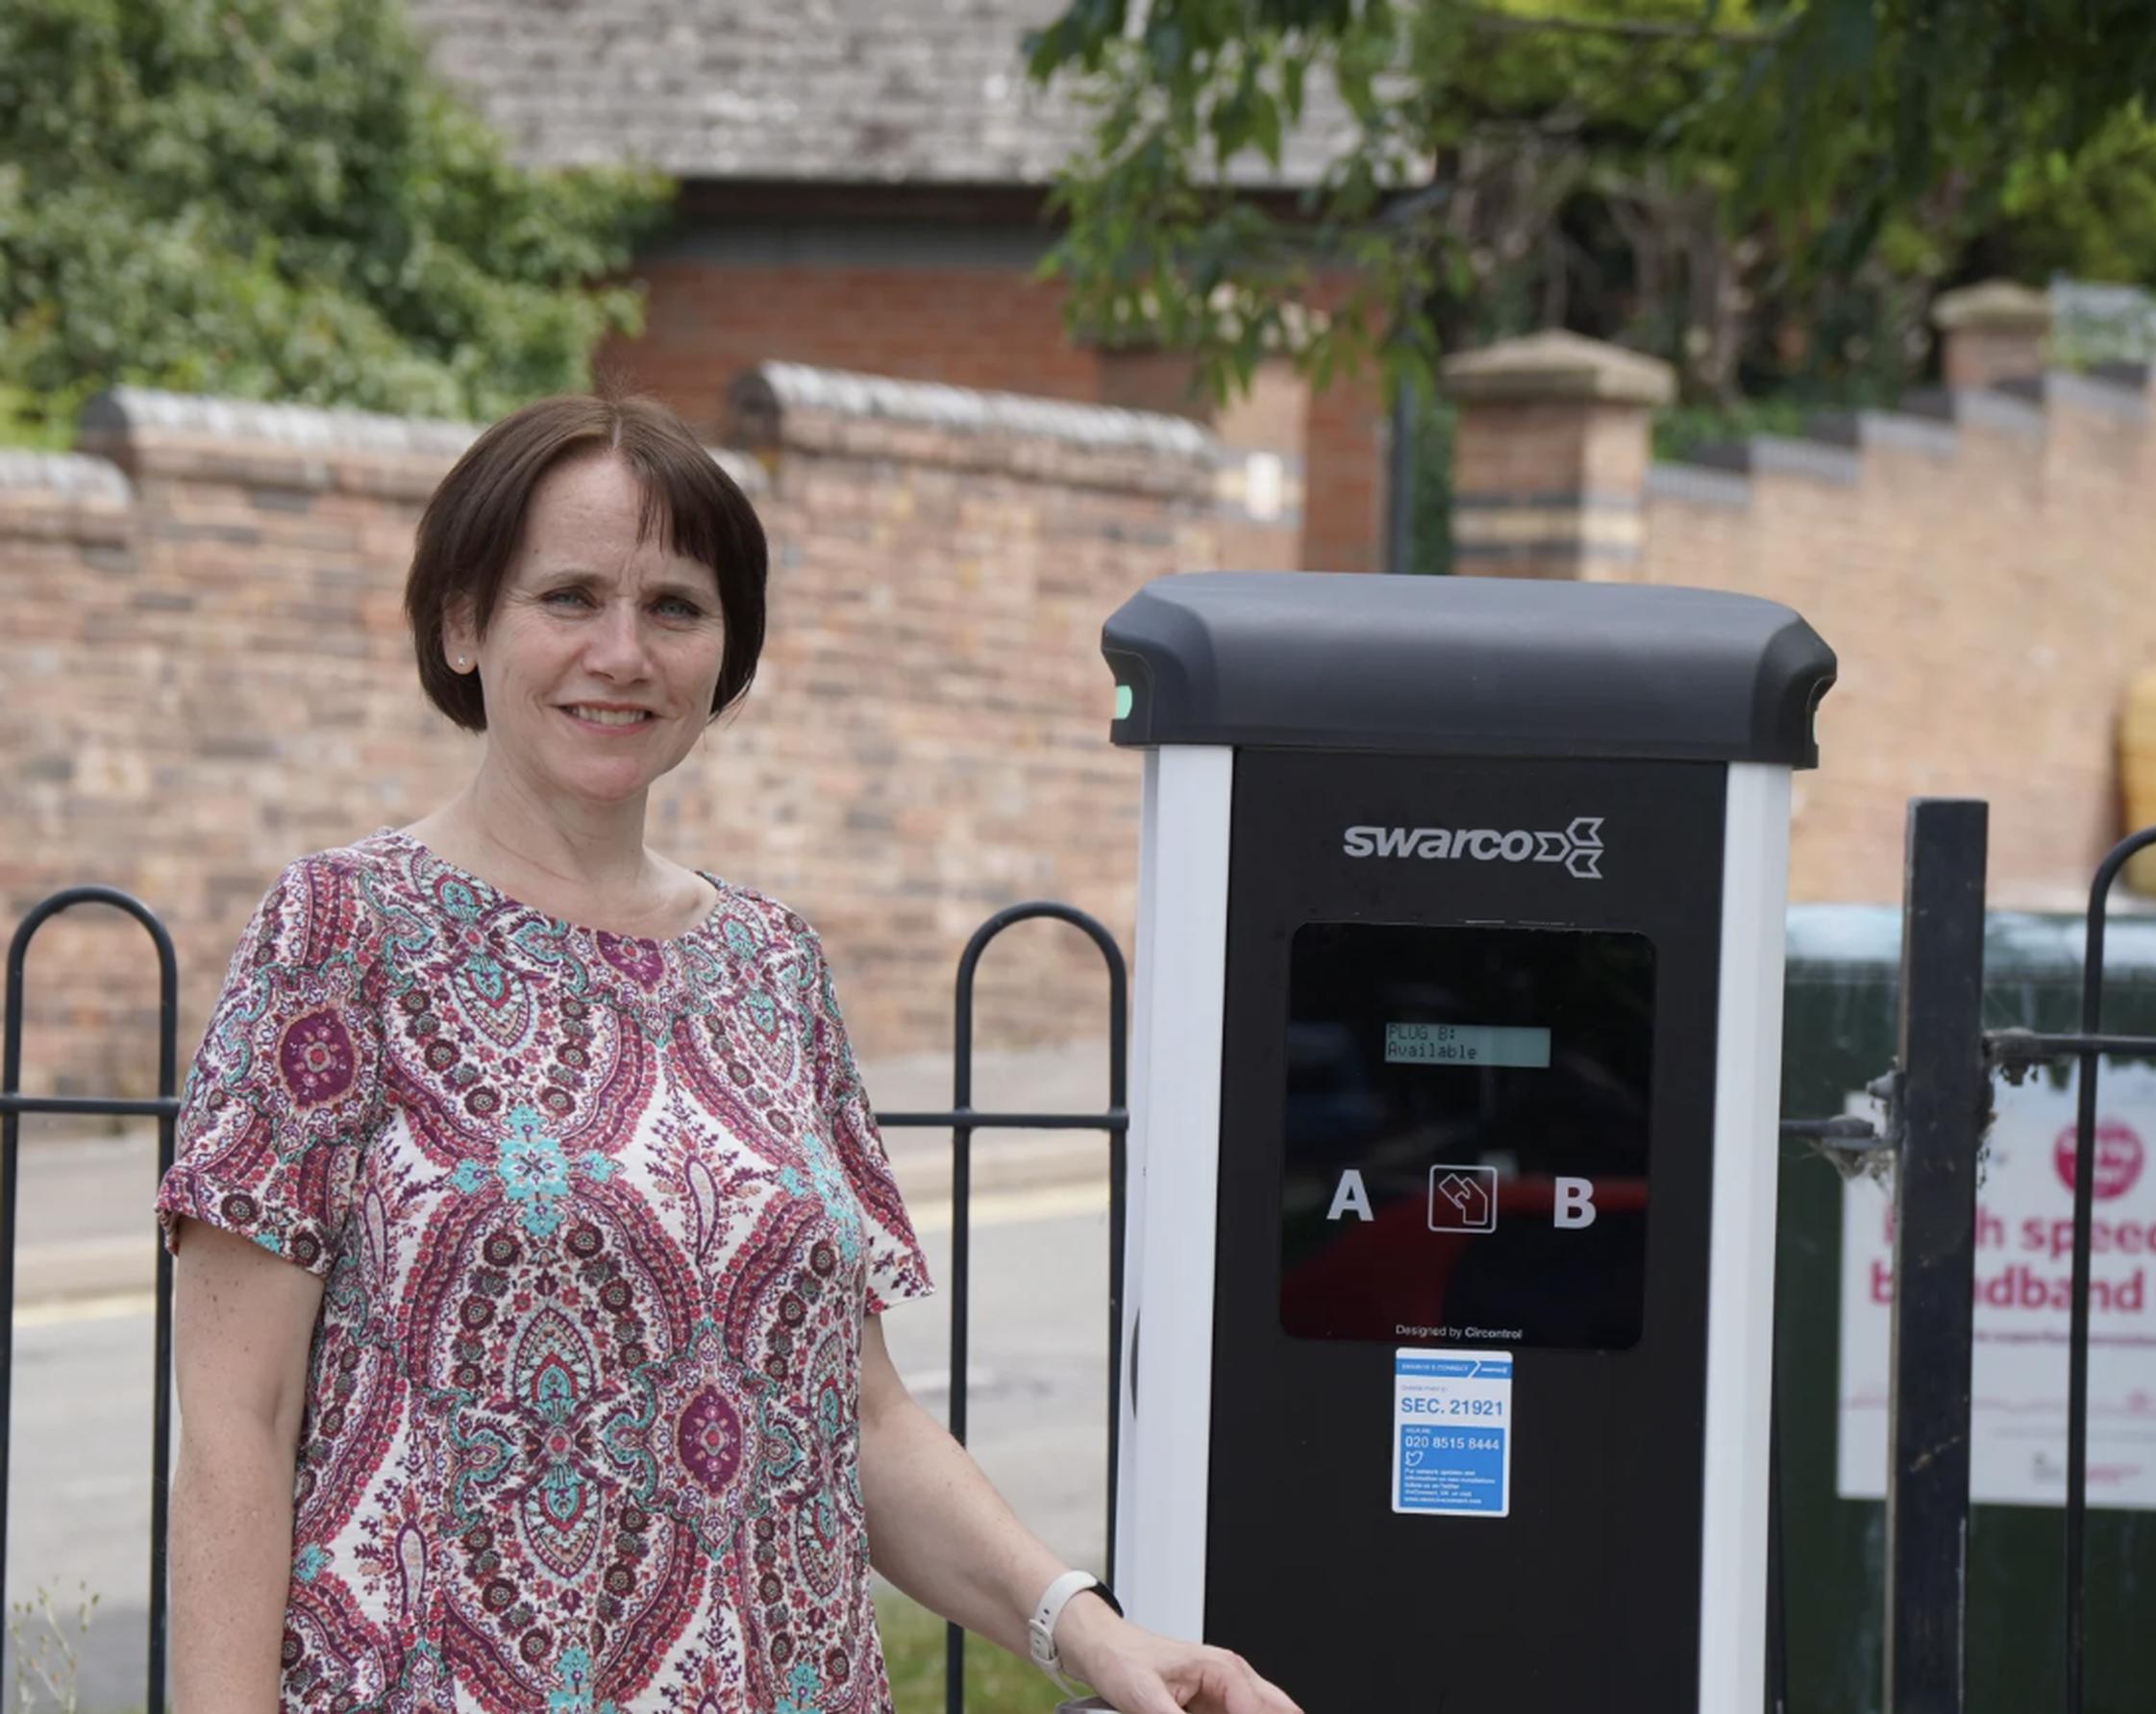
x,y
612,719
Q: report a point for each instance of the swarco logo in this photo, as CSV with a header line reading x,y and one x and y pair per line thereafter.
x,y
1580,847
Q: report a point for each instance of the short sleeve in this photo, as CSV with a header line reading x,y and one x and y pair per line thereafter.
x,y
286,1085
897,1271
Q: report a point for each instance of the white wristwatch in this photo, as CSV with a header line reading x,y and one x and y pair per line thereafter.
x,y
1040,1628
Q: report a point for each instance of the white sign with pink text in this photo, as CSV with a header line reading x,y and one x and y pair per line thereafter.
x,y
2024,1263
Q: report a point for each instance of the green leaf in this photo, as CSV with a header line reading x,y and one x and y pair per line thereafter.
x,y
1294,69
278,198
1764,191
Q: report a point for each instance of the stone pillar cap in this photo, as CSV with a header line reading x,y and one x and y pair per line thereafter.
x,y
2001,305
1560,365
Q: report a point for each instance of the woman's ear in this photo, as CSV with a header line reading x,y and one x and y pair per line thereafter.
x,y
459,636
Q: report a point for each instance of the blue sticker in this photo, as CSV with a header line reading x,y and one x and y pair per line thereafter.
x,y
1453,1433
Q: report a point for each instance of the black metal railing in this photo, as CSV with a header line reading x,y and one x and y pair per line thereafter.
x,y
962,1121
1937,1105
2088,1045
164,1108
1945,1100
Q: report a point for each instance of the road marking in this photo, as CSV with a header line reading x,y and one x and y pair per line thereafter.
x,y
108,1306
937,1381
930,1215
1013,1207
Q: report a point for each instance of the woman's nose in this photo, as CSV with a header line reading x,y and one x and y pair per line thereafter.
x,y
617,642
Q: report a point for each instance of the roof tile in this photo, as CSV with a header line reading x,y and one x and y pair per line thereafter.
x,y
921,91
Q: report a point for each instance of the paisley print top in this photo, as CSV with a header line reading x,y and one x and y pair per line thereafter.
x,y
598,1221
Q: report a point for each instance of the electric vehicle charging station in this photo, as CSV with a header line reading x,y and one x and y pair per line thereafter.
x,y
1450,1226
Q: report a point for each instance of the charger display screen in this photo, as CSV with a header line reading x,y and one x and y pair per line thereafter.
x,y
1466,1129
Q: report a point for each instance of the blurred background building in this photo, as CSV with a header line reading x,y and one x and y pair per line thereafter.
x,y
207,672
865,187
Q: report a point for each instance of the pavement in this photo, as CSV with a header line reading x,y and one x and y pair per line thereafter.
x,y
83,1229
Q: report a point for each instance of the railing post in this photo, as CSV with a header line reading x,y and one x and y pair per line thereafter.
x,y
1945,1103
165,1109
963,1120
2084,1214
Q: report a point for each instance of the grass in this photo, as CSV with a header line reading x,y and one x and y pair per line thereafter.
x,y
996,1682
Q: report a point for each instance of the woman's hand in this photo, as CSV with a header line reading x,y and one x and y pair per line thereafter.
x,y
939,1532
1141,1672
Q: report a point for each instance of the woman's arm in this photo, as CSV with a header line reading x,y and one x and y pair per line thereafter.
x,y
242,1323
942,1533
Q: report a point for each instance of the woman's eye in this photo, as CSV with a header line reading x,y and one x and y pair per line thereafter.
x,y
669,606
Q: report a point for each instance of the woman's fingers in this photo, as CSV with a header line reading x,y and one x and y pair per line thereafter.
x,y
1250,1693
1150,1696
1167,1677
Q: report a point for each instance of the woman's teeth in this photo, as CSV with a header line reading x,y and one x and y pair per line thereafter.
x,y
613,716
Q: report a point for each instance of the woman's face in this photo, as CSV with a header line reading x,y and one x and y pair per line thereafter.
x,y
603,655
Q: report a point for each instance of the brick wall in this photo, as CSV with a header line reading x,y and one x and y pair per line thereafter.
x,y
1980,561
933,746
1987,579
978,325
1344,444
706,321
206,673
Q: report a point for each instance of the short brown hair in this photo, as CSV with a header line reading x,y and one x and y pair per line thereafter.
x,y
475,521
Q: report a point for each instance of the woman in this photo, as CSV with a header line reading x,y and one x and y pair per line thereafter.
x,y
532,1226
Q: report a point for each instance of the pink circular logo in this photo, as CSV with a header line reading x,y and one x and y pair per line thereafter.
x,y
2118,1158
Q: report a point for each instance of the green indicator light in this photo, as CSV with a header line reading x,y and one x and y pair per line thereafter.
x,y
1122,701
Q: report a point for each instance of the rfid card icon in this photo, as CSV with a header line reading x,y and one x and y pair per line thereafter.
x,y
1463,1199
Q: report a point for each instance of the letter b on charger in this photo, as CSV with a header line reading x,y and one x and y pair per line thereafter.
x,y
1574,1205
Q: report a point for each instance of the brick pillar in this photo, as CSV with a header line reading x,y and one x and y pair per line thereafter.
x,y
1550,454
1992,333
1259,484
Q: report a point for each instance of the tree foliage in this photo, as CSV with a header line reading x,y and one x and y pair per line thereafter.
x,y
278,199
1762,190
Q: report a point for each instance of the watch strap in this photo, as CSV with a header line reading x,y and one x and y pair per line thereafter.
x,y
1040,1628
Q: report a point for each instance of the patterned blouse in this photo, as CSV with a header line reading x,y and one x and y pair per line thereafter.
x,y
598,1220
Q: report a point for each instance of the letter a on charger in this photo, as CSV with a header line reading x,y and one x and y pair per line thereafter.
x,y
1350,1198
